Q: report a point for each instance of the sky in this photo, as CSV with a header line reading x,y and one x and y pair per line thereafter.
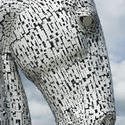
x,y
112,16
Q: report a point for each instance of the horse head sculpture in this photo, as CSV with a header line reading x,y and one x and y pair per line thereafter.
x,y
59,45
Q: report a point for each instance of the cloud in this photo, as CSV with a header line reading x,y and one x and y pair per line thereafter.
x,y
120,120
118,72
112,16
40,111
112,13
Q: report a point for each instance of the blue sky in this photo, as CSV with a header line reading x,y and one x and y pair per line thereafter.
x,y
112,16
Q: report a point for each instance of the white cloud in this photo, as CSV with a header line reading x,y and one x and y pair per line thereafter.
x,y
120,120
38,109
112,16
111,7
111,12
118,71
43,121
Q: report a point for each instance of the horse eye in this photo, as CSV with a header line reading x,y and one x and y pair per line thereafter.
x,y
86,20
81,19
